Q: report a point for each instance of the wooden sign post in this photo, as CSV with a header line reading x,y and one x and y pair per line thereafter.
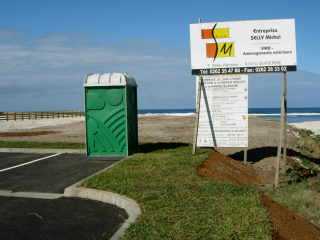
x,y
196,127
283,131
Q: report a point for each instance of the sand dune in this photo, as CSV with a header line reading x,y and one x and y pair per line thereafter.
x,y
31,124
314,126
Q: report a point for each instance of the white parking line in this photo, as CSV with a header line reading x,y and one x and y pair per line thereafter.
x,y
28,163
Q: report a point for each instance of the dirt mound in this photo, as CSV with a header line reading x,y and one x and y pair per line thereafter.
x,y
26,134
222,168
287,225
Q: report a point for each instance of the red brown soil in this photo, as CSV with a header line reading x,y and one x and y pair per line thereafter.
x,y
287,225
26,134
224,169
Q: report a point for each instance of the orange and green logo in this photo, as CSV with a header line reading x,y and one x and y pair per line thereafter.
x,y
218,49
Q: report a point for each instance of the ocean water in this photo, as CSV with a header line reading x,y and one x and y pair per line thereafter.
x,y
295,115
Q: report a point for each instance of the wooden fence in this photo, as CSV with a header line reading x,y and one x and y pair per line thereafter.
x,y
12,116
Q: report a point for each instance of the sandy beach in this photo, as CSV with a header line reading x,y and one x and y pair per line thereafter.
x,y
152,128
262,132
39,123
313,126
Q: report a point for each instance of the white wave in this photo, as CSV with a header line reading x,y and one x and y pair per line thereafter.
x,y
165,114
289,114
250,114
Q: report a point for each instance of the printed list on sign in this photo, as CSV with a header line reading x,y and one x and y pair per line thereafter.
x,y
223,118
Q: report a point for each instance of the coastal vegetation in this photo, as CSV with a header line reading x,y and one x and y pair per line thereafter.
x,y
308,143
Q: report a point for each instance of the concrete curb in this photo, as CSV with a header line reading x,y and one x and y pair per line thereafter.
x,y
131,207
128,204
41,150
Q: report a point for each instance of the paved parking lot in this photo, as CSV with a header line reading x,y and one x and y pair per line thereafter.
x,y
51,174
13,159
63,219
60,218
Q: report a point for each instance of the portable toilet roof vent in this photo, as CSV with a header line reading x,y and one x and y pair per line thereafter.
x,y
109,79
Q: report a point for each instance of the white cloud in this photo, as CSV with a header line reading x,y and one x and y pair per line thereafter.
x,y
52,68
60,61
60,53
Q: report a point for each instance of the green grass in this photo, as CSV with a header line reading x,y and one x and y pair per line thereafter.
x,y
300,198
178,204
49,145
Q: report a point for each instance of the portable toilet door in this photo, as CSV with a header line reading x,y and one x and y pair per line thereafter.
x,y
111,121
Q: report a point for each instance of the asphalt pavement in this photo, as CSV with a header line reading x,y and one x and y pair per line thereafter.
x,y
12,159
59,219
51,175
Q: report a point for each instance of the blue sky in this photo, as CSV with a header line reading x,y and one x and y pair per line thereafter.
x,y
47,47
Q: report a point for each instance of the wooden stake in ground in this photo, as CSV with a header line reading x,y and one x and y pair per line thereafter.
x,y
283,130
285,120
196,127
245,155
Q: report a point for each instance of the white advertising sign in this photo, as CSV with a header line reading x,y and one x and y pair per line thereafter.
x,y
223,117
243,47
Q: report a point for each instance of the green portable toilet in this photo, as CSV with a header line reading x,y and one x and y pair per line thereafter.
x,y
111,115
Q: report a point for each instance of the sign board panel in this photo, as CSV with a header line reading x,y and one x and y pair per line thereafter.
x,y
223,117
243,47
